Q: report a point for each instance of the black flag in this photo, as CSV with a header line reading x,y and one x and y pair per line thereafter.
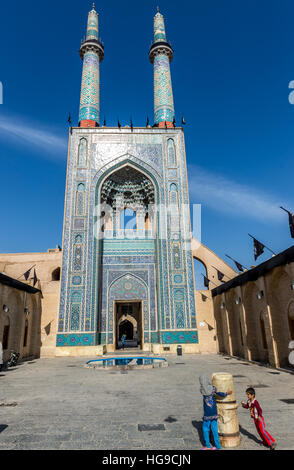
x,y
174,122
291,221
69,119
206,282
220,275
258,248
291,224
239,266
35,278
27,274
183,121
118,124
147,124
104,123
165,125
132,127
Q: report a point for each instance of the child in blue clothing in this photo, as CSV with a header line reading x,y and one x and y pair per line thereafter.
x,y
210,411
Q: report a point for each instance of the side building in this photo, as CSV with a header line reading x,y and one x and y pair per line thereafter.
x,y
42,302
20,318
254,312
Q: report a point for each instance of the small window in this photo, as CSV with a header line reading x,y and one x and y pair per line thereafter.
x,y
56,275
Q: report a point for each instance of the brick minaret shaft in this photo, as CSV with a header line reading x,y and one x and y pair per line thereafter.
x,y
92,53
160,55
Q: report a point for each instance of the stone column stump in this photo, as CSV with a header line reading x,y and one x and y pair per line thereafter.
x,y
228,423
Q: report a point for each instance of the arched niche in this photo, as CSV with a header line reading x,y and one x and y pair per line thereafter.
x,y
127,196
82,152
55,276
171,153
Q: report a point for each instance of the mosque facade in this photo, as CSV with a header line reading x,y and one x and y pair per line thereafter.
x,y
127,264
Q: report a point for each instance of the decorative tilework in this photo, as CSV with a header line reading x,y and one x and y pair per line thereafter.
x,y
75,317
174,337
172,173
75,339
89,103
163,95
79,224
92,27
159,28
82,154
152,262
76,280
171,151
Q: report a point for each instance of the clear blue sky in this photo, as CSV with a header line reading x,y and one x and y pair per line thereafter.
x,y
232,66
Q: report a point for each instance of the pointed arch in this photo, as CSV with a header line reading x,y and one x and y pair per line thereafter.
x,y
95,309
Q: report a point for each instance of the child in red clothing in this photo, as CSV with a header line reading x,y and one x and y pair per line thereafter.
x,y
256,413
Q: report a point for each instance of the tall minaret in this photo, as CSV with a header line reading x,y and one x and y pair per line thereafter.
x,y
161,54
92,53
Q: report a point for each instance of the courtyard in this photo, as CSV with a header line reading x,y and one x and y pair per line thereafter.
x,y
59,404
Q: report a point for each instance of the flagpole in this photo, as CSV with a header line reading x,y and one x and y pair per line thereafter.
x,y
263,245
288,212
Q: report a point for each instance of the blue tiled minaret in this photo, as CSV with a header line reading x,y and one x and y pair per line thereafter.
x,y
160,55
92,53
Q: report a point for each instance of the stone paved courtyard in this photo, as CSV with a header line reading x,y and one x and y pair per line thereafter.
x,y
60,404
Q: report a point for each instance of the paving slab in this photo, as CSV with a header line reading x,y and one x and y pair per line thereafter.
x,y
60,404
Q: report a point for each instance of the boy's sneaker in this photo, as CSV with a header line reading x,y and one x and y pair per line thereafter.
x,y
273,446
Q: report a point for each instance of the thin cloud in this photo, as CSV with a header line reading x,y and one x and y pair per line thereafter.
x,y
33,135
225,195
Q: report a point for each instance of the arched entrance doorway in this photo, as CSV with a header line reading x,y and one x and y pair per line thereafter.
x,y
126,328
129,323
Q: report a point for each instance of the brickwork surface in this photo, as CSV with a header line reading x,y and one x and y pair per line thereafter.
x,y
60,404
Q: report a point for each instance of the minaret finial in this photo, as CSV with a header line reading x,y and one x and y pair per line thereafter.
x,y
157,9
93,7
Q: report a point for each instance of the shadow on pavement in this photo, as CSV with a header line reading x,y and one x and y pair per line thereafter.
x,y
198,426
249,435
3,427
